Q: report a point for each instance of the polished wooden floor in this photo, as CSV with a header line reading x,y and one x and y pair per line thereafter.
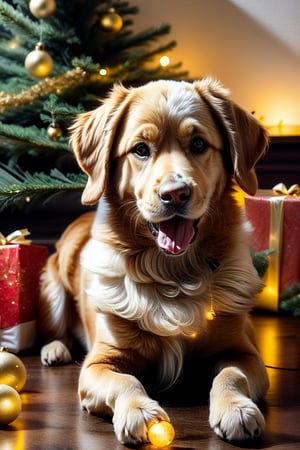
x,y
52,420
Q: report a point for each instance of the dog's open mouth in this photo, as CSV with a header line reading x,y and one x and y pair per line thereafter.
x,y
174,235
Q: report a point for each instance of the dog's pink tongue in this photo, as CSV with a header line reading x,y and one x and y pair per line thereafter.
x,y
175,234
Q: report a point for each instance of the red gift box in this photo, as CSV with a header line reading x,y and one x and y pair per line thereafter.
x,y
275,220
20,269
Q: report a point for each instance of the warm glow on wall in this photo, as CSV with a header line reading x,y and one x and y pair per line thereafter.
x,y
281,129
278,115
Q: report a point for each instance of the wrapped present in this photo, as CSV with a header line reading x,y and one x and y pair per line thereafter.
x,y
275,218
20,269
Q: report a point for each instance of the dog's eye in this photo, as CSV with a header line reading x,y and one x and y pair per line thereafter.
x,y
198,145
141,150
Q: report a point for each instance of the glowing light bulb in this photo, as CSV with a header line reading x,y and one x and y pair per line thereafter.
x,y
161,433
103,72
164,61
210,315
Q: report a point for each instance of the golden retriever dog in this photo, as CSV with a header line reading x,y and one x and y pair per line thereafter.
x,y
167,251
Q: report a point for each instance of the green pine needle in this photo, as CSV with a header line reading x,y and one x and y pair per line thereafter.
x,y
16,187
32,135
290,299
260,261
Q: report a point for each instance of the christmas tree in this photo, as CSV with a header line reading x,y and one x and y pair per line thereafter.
x,y
57,59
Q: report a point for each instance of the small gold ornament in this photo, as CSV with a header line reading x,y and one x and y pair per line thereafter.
x,y
54,131
111,22
42,9
12,370
38,62
161,434
10,404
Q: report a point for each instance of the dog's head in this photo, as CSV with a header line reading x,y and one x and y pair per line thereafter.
x,y
168,147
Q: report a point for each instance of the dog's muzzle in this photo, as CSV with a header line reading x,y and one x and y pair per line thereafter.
x,y
175,234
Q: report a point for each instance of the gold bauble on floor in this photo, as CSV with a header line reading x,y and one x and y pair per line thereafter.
x,y
10,404
12,370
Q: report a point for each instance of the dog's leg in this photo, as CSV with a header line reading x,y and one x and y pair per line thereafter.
x,y
238,385
104,390
53,320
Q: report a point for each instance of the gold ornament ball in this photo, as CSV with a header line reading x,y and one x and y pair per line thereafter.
x,y
42,9
161,434
12,370
38,62
111,22
54,131
10,404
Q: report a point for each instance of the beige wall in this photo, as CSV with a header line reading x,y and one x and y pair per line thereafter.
x,y
252,46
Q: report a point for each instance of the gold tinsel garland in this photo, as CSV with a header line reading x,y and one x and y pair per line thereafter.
x,y
54,84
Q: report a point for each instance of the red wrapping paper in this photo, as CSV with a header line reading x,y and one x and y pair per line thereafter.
x,y
258,212
20,269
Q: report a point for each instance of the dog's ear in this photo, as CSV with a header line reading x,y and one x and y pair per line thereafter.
x,y
246,137
92,137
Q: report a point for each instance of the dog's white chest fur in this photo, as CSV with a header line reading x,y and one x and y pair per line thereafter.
x,y
159,305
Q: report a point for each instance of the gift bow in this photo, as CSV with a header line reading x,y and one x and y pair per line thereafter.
x,y
281,189
16,237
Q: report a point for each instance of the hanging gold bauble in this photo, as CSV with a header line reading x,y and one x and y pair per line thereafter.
x,y
10,404
12,370
111,22
54,131
42,9
161,434
38,62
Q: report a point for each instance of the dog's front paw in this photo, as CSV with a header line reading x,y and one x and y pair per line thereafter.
x,y
55,353
236,419
133,416
233,415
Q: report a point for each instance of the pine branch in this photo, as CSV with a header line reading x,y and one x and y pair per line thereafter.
x,y
32,135
290,299
65,81
139,57
260,261
12,19
18,188
149,35
14,76
10,52
62,111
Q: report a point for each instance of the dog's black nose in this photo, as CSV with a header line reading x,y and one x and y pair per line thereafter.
x,y
174,192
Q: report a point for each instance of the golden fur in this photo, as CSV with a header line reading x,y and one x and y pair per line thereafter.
x,y
167,242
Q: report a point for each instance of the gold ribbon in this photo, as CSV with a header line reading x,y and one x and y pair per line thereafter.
x,y
16,237
281,189
269,297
